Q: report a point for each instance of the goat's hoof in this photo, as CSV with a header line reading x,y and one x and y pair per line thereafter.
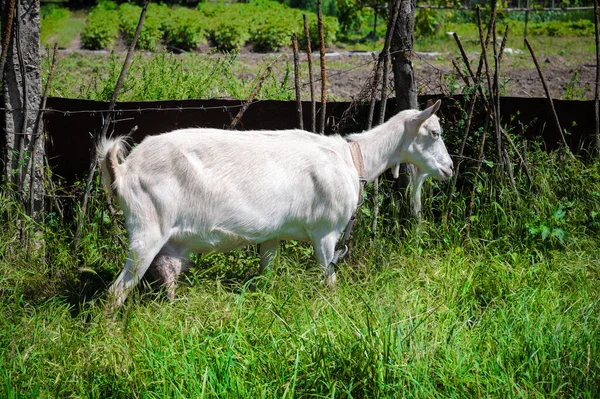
x,y
330,280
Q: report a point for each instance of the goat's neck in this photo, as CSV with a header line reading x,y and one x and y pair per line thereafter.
x,y
381,147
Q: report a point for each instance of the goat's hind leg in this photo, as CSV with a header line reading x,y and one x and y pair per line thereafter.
x,y
268,250
167,266
141,254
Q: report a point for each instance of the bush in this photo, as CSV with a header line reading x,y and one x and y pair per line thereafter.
x,y
270,37
185,29
102,27
265,23
352,16
229,36
53,20
330,29
426,23
272,33
152,31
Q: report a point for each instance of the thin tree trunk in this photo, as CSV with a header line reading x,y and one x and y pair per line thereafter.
x,y
402,44
402,53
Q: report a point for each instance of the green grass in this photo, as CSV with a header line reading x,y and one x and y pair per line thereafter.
x,y
416,327
94,76
434,310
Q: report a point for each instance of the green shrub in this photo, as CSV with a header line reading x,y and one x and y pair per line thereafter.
x,y
102,27
229,36
185,29
352,16
330,29
265,23
272,33
53,18
272,25
270,37
152,31
427,22
583,27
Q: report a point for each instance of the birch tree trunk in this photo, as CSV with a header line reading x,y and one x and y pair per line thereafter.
x,y
22,146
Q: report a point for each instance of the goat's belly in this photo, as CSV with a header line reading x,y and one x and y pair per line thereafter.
x,y
220,240
214,241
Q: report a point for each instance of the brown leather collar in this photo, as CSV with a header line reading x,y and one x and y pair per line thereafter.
x,y
357,159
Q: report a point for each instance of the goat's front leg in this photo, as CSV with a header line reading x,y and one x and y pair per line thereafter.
x,y
416,182
324,251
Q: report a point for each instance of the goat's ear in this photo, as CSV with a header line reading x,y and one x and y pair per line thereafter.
x,y
426,114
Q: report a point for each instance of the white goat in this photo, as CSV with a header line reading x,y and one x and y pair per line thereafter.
x,y
208,190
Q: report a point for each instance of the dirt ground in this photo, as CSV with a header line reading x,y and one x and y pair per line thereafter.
x,y
347,74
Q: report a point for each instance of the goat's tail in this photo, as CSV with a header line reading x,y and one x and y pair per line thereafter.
x,y
109,152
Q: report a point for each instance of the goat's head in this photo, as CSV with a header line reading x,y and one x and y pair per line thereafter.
x,y
425,149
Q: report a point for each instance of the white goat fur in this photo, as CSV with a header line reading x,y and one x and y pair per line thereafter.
x,y
208,190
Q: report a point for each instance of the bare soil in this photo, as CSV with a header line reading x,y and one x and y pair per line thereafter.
x,y
348,73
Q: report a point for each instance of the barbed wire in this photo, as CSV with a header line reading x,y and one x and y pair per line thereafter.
x,y
136,110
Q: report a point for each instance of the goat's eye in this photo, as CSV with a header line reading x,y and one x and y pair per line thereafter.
x,y
435,134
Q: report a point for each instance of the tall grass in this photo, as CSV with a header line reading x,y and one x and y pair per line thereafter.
x,y
506,306
94,77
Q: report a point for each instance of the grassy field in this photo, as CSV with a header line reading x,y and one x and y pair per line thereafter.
x,y
506,306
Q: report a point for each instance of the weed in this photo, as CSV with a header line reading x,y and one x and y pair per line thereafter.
x,y
575,89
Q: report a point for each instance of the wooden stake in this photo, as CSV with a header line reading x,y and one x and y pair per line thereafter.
x,y
297,80
255,91
384,58
494,109
323,69
36,129
556,120
107,120
313,104
20,139
7,35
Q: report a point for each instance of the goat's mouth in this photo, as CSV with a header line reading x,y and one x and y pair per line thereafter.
x,y
446,173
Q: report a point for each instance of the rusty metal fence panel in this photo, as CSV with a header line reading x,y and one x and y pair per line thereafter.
x,y
70,123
